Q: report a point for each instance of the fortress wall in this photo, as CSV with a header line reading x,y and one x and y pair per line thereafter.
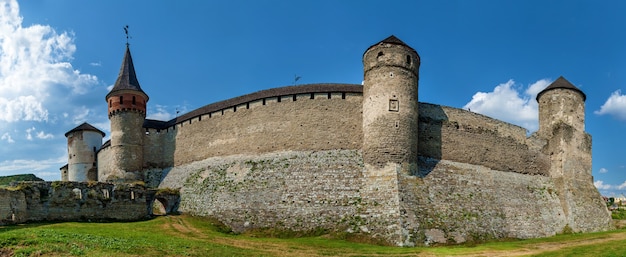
x,y
159,147
72,201
12,207
307,190
447,133
296,190
268,125
459,202
105,161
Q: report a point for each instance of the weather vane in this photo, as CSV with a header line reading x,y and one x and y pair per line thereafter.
x,y
127,36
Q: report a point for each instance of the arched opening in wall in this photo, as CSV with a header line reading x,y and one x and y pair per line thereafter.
x,y
158,207
379,54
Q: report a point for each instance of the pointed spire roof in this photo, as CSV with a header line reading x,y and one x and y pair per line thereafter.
x,y
391,40
83,127
561,82
127,79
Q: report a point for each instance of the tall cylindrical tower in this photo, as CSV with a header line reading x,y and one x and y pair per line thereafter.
x,y
83,143
127,111
390,103
561,102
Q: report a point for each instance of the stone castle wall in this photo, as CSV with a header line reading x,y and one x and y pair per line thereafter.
x,y
447,133
312,190
478,178
325,123
329,121
295,190
72,201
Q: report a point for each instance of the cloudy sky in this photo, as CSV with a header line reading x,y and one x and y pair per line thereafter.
x,y
57,59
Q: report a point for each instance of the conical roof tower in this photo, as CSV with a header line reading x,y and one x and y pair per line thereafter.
x,y
127,112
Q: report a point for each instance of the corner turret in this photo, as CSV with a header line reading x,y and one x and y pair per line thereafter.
x,y
83,143
127,111
561,102
562,126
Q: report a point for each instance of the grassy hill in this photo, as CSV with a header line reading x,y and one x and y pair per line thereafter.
x,y
6,180
193,236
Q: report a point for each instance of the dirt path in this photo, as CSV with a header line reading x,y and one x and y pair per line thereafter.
x,y
549,247
178,226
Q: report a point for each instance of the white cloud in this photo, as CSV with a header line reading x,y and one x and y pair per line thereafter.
x,y
160,112
603,170
615,106
43,135
33,64
8,167
29,135
7,137
41,94
24,107
80,115
621,186
506,102
601,186
95,64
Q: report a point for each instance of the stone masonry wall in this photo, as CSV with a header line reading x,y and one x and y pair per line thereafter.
x,y
296,190
309,190
72,201
266,125
459,202
447,133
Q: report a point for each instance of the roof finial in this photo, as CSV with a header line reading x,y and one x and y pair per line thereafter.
x,y
127,36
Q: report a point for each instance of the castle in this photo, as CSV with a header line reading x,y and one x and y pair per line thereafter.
x,y
359,158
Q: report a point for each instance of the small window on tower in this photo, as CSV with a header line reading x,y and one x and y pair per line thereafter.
x,y
121,99
408,60
133,99
393,105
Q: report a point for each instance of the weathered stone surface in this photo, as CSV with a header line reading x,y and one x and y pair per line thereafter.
x,y
72,201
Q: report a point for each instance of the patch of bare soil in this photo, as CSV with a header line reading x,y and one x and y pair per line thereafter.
x,y
6,252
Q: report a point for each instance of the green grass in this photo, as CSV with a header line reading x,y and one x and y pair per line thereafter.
x,y
193,236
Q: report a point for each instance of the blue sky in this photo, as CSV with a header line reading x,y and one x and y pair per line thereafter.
x,y
57,59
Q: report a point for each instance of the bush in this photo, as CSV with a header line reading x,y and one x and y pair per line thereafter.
x,y
618,214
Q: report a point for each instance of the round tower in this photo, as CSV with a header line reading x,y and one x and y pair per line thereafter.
x,y
83,143
561,102
390,103
127,112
